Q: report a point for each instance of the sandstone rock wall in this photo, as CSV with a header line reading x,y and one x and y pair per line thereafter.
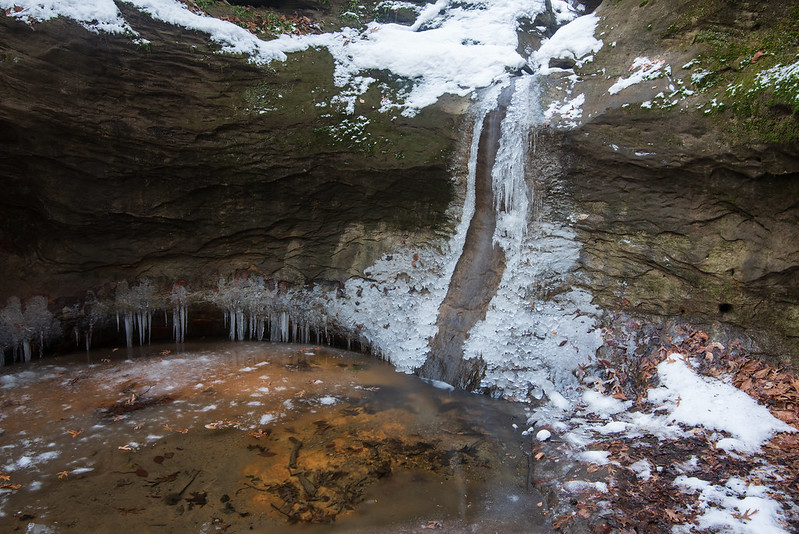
x,y
168,161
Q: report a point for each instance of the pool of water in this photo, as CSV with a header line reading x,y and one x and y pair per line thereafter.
x,y
235,437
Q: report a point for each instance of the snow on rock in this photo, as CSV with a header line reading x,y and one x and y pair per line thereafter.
x,y
451,48
234,39
570,111
94,15
698,401
575,40
642,69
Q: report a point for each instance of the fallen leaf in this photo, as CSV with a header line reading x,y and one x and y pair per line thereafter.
x,y
63,474
746,516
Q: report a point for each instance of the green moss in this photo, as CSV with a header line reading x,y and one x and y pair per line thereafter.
x,y
734,62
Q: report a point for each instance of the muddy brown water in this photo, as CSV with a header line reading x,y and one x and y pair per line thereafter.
x,y
240,437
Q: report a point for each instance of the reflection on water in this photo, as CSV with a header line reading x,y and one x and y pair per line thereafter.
x,y
253,436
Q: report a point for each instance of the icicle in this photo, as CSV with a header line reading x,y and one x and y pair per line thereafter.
x,y
184,320
89,338
240,324
232,324
140,324
128,317
26,350
260,328
284,327
179,314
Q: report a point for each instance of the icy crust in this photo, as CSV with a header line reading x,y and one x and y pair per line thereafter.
x,y
531,343
397,307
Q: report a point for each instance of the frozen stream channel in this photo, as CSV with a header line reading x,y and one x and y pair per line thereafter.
x,y
234,437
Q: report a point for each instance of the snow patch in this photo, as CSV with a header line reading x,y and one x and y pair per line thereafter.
x,y
642,69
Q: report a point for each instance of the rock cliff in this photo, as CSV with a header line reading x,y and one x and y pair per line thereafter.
x,y
160,158
686,184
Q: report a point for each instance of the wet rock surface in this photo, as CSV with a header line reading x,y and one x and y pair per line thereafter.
x,y
685,193
167,160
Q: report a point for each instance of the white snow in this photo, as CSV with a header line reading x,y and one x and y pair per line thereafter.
x,y
94,15
642,69
595,457
603,405
698,401
685,404
453,47
725,507
575,40
685,398
582,486
570,111
642,469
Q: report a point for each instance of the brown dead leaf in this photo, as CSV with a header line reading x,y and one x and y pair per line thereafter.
x,y
561,521
746,516
674,517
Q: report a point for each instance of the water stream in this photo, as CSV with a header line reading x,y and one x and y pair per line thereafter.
x,y
479,269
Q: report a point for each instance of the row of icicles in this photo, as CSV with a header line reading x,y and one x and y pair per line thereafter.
x,y
253,309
